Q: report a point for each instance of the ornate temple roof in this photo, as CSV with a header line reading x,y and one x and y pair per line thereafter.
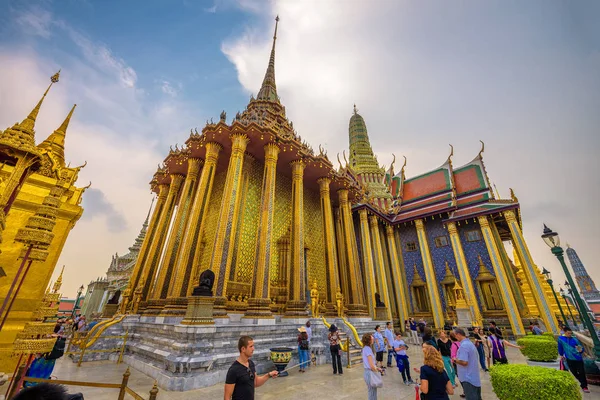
x,y
54,145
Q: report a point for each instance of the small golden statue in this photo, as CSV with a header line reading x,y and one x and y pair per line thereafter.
x,y
125,302
314,299
137,296
339,301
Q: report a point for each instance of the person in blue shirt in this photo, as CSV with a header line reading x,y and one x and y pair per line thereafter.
x,y
388,334
413,331
399,349
570,348
379,346
467,366
536,329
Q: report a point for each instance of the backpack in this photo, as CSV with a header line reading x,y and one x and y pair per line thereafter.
x,y
304,344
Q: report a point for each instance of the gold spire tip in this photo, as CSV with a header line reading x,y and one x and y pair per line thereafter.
x,y
276,23
355,109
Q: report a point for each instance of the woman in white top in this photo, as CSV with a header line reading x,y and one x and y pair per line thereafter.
x,y
368,358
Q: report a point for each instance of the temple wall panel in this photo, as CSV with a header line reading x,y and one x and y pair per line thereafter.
x,y
281,221
212,217
472,250
435,230
408,236
243,262
314,240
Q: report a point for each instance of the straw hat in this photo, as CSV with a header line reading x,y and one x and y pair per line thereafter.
x,y
302,329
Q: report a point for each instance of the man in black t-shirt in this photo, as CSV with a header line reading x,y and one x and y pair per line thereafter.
x,y
241,377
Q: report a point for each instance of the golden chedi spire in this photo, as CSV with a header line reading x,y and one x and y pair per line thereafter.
x,y
55,143
268,90
58,282
21,136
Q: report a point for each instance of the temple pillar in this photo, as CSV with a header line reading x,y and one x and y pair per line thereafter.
x,y
465,274
368,263
222,252
161,235
331,265
530,272
138,269
161,287
380,266
186,266
501,277
342,263
357,306
432,284
260,299
296,304
398,278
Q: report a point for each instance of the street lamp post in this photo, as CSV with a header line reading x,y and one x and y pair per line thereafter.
x,y
79,291
553,241
546,273
564,296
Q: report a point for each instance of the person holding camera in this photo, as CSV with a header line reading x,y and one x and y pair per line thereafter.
x,y
571,350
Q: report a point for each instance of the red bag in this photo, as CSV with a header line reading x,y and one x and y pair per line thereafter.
x,y
562,365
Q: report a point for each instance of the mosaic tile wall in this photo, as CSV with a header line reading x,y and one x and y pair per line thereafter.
x,y
314,239
281,220
440,255
408,233
214,209
472,250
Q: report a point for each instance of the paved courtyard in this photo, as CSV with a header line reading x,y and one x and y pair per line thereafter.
x,y
317,383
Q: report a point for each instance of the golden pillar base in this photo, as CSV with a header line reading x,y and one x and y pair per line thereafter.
x,y
357,310
154,307
295,308
219,308
381,313
258,308
330,310
199,311
176,306
109,310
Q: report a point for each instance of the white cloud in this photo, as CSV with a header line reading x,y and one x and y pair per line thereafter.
x,y
423,77
36,21
167,88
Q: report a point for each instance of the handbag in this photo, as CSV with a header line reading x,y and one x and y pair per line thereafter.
x,y
375,379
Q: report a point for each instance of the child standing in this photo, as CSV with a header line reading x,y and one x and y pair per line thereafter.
x,y
399,348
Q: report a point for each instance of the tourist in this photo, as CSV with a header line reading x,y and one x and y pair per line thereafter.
x,y
93,323
536,329
435,383
421,326
498,346
445,346
335,349
429,339
241,377
46,391
379,346
81,324
309,333
369,366
480,343
466,365
303,348
389,338
413,331
571,350
399,348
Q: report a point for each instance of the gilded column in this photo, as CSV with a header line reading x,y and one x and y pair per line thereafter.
x,y
380,266
398,277
342,263
331,265
138,269
167,264
530,272
260,299
357,305
221,258
432,284
161,234
296,285
367,253
501,277
189,255
465,275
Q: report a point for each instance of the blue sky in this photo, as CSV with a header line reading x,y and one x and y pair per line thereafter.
x,y
522,76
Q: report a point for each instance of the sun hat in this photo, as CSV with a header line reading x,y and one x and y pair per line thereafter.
x,y
302,329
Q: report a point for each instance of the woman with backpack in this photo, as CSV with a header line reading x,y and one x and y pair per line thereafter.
x,y
303,349
335,349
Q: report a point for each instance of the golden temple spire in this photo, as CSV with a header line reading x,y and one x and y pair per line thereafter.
x,y
55,143
268,90
29,122
58,282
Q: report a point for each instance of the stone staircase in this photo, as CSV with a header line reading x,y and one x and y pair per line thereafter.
x,y
362,326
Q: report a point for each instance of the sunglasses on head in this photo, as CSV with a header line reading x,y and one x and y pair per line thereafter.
x,y
250,373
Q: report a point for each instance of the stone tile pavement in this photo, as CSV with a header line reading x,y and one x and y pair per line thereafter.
x,y
317,383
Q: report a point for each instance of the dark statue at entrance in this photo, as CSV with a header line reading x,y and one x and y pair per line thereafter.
x,y
207,279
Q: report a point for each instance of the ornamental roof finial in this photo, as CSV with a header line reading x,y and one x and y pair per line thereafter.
x,y
355,109
29,122
58,282
55,143
268,90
